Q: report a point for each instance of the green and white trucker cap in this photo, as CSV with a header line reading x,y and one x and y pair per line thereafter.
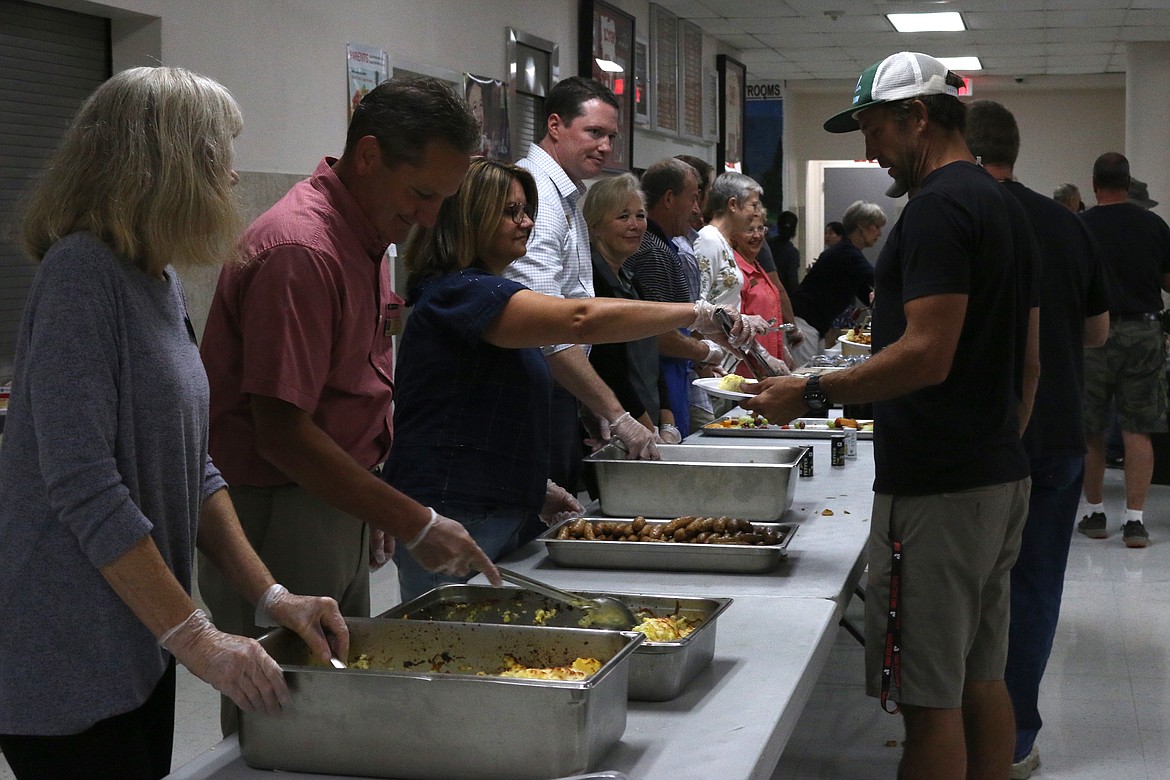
x,y
906,74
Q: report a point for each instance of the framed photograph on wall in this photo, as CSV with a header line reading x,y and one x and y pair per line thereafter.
x,y
732,80
606,53
690,79
664,70
488,100
641,82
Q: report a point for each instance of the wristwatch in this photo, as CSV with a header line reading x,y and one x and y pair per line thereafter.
x,y
814,397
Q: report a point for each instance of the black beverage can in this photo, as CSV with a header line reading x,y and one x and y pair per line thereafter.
x,y
837,440
806,463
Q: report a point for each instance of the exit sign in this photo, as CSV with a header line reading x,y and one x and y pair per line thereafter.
x,y
967,89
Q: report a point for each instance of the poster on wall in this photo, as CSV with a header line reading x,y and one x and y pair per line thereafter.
x,y
367,68
732,78
763,147
488,100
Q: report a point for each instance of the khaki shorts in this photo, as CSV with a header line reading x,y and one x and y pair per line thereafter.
x,y
1129,370
955,599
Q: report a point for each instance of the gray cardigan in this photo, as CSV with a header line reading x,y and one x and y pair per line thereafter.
x,y
105,442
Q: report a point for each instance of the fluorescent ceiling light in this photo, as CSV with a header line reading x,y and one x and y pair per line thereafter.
x,y
609,66
961,63
946,21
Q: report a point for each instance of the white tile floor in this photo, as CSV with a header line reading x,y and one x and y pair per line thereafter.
x,y
1105,698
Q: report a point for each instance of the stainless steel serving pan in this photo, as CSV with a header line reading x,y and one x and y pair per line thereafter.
x,y
666,556
659,671
750,483
428,716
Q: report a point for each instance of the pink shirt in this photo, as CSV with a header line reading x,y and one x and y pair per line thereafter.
x,y
306,318
760,296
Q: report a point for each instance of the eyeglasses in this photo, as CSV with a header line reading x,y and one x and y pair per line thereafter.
x,y
518,211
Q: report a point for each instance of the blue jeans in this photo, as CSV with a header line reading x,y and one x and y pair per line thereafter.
x,y
1037,586
495,529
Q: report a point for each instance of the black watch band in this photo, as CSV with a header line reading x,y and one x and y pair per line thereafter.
x,y
814,397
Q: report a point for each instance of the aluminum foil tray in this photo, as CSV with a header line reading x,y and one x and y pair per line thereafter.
x,y
666,556
753,483
659,671
429,716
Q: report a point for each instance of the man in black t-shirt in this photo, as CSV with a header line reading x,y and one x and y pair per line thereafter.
x,y
1130,369
955,343
1074,313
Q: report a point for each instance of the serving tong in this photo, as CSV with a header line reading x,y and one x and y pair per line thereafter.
x,y
605,612
753,352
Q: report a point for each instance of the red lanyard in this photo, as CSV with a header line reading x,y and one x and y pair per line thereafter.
x,y
892,660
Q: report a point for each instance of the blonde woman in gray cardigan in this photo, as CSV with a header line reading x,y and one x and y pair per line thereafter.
x,y
106,488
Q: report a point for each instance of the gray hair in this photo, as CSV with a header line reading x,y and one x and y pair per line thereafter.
x,y
1065,192
731,185
862,214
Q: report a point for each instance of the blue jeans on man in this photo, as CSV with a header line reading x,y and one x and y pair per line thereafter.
x,y
1037,586
495,529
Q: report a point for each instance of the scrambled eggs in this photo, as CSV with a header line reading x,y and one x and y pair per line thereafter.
x,y
731,382
665,629
578,670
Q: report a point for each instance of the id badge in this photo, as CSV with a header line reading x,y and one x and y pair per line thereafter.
x,y
392,320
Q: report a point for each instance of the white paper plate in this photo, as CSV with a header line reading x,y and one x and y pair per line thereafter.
x,y
710,384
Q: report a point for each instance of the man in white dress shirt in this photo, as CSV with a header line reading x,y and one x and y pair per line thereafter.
x,y
581,125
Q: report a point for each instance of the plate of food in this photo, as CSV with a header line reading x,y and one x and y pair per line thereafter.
x,y
743,425
821,428
725,386
855,342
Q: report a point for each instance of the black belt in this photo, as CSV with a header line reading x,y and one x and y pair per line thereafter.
x,y
1144,316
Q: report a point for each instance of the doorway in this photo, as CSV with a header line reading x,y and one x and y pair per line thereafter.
x,y
831,187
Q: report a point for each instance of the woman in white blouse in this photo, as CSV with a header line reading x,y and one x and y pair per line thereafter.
x,y
734,201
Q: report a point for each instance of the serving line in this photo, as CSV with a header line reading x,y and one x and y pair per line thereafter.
x,y
732,721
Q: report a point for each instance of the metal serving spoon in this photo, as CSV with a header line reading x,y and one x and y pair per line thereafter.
x,y
606,612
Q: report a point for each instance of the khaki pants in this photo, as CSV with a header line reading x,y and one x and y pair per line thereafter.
x,y
309,546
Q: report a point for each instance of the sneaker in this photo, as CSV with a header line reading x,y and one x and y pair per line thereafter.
x,y
1134,534
1023,769
1093,526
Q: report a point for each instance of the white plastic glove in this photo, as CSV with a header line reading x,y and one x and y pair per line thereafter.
x,y
381,548
669,433
597,430
715,353
236,666
314,618
559,504
776,364
753,326
705,322
444,546
636,437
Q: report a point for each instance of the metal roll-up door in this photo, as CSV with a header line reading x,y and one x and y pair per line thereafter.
x,y
50,61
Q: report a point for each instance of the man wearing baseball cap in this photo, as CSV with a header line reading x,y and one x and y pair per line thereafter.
x,y
952,376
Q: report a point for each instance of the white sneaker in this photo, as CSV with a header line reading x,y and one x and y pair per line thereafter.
x,y
1022,770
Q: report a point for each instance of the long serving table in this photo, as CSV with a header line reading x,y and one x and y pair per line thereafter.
x,y
734,719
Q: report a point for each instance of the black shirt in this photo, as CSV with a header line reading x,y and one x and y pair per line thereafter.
x,y
961,233
839,275
1136,245
1073,286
